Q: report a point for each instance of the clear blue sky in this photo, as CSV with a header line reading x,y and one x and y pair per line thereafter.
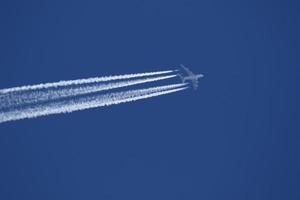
x,y
235,138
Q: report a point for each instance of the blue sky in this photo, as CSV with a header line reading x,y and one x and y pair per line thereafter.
x,y
236,137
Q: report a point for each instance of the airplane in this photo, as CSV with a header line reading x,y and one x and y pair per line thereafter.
x,y
190,77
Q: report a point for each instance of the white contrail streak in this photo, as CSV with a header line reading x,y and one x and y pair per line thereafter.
x,y
38,96
82,81
83,103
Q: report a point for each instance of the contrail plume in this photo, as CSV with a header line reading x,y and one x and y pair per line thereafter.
x,y
83,81
82,103
20,98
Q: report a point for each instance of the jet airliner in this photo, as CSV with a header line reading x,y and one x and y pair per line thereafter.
x,y
190,77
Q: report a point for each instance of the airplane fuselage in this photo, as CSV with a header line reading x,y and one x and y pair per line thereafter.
x,y
193,78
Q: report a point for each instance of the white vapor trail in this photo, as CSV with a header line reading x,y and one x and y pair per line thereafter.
x,y
82,81
10,99
82,103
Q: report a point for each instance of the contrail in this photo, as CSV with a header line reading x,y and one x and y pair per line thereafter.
x,y
93,101
82,81
22,98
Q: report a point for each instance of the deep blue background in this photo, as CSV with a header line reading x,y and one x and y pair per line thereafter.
x,y
235,138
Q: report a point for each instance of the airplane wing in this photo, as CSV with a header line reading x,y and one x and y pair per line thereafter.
x,y
195,85
189,73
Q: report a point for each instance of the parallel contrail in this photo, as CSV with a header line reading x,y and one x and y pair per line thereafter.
x,y
34,95
82,81
82,103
